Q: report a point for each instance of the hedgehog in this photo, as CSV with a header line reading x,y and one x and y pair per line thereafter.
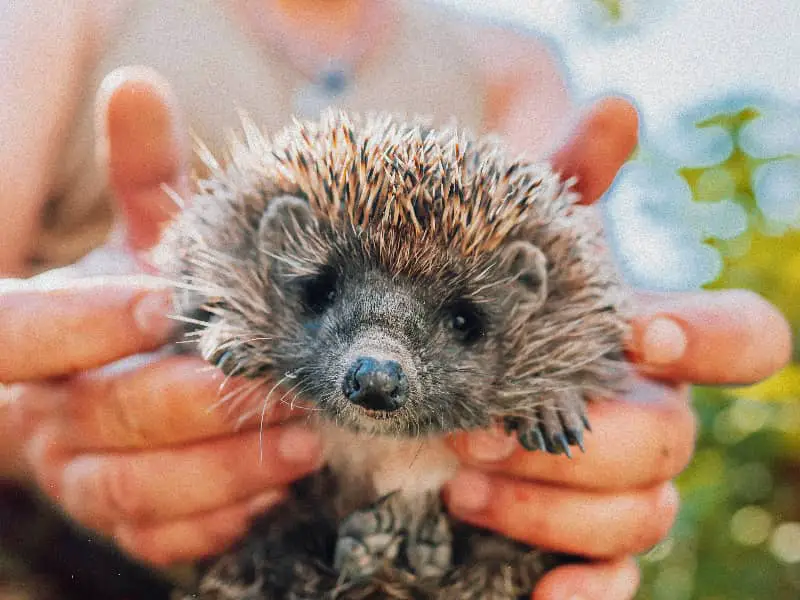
x,y
401,282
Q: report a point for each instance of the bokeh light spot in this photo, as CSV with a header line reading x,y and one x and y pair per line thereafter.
x,y
749,416
751,525
777,187
775,133
785,543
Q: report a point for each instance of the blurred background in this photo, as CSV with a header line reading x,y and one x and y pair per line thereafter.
x,y
711,198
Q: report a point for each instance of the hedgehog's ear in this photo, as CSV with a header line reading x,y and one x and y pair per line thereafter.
x,y
286,217
527,266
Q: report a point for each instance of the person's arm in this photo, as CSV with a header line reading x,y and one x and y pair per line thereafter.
x,y
528,101
45,50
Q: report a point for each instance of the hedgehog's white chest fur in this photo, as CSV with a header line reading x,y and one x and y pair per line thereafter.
x,y
412,467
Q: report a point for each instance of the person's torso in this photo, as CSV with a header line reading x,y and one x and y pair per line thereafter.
x,y
218,69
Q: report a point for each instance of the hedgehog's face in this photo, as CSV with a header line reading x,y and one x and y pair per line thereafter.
x,y
390,356
380,352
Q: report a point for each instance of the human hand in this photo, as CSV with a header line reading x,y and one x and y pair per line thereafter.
x,y
132,450
617,499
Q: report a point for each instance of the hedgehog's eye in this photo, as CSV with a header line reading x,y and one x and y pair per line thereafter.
x,y
319,291
466,321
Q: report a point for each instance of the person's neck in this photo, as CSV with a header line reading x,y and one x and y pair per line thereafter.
x,y
328,24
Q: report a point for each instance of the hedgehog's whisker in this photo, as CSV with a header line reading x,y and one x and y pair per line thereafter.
x,y
302,391
233,398
291,404
173,195
416,454
255,339
264,406
228,376
189,320
245,392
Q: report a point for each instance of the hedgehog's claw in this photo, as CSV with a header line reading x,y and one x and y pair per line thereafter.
x,y
573,422
563,444
223,361
575,438
558,424
587,425
430,545
531,438
368,539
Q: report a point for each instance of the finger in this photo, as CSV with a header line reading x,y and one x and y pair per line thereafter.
x,y
148,487
582,523
172,401
196,536
633,444
88,323
720,337
613,580
598,147
141,138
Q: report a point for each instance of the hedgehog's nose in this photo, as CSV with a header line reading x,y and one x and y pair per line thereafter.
x,y
376,384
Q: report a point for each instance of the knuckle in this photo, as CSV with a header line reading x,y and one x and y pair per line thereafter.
x,y
122,412
120,495
32,407
77,407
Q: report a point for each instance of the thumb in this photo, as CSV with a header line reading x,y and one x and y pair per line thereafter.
x,y
141,140
598,146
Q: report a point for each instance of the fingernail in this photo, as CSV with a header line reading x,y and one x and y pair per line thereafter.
x,y
623,585
10,393
468,491
299,445
263,501
490,446
151,314
669,497
663,342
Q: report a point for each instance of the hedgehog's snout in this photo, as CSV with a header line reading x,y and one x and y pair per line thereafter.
x,y
379,385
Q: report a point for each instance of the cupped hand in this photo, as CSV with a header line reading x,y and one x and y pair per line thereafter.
x,y
133,449
617,499
136,452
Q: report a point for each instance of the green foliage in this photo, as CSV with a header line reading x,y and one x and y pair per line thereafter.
x,y
738,533
612,9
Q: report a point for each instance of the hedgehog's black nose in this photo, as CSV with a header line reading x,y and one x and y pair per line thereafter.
x,y
376,384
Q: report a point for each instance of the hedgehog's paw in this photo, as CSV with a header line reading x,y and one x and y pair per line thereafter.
x,y
369,539
559,422
430,545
